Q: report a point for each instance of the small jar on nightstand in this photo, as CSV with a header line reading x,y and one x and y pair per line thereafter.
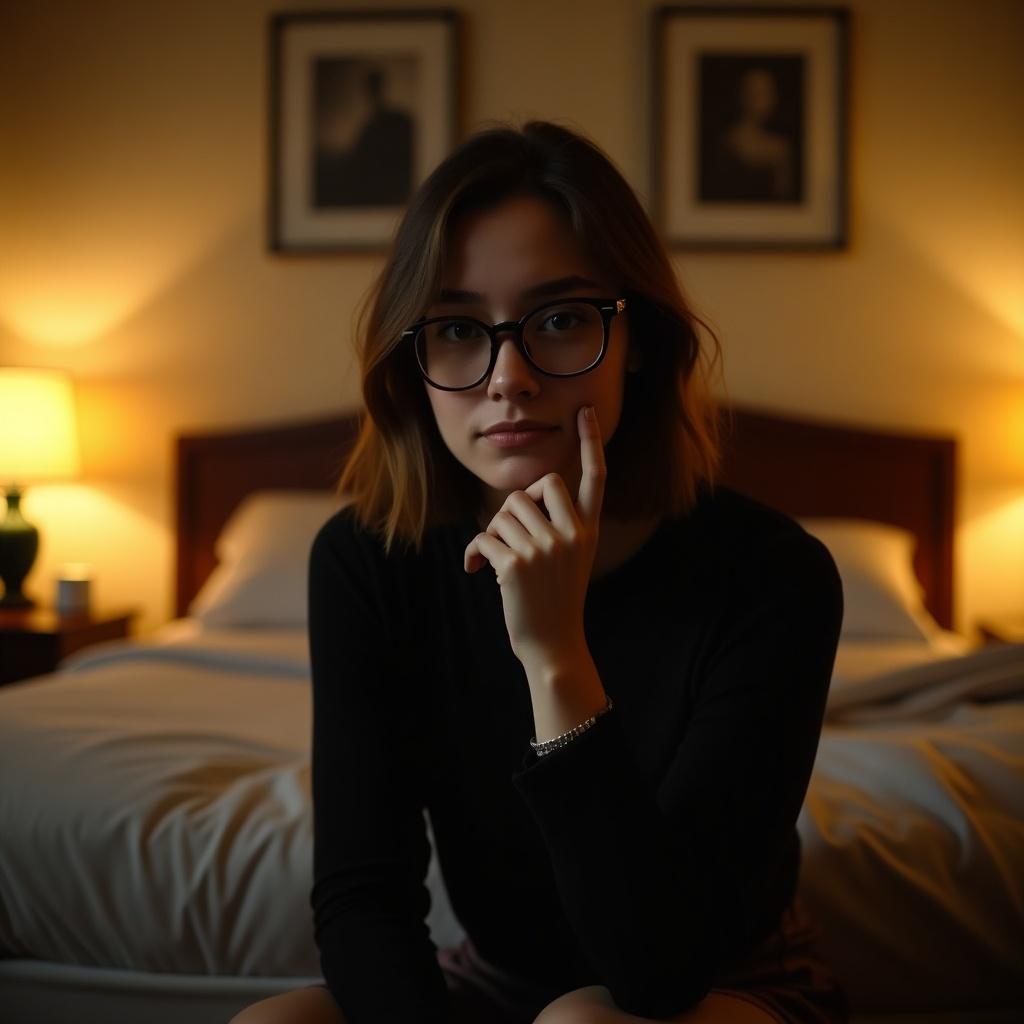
x,y
1007,629
34,640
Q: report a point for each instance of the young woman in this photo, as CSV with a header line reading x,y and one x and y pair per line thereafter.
x,y
540,619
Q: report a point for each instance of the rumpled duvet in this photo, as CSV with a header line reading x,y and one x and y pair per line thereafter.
x,y
155,814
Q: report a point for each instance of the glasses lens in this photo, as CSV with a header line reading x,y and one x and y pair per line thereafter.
x,y
453,353
564,338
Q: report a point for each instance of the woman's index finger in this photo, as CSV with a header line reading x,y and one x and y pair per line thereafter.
x,y
592,460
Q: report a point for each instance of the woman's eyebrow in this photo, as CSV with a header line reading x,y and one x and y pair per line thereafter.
x,y
555,287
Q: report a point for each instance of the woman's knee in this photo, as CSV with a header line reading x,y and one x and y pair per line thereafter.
x,y
576,1005
313,1005
594,1004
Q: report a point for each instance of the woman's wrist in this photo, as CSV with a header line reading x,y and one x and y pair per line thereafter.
x,y
554,667
565,690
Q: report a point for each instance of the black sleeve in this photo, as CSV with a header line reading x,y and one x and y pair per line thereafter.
x,y
662,883
370,847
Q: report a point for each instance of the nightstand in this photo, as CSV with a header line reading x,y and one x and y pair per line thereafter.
x,y
34,640
1007,629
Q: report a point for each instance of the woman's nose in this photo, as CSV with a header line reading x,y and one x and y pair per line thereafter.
x,y
512,374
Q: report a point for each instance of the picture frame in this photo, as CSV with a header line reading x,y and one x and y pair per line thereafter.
x,y
749,126
363,104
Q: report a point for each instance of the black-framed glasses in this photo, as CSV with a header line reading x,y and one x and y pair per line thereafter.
x,y
562,338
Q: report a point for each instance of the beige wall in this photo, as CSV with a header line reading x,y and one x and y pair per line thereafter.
x,y
132,190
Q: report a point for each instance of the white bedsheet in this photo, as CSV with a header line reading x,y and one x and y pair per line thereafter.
x,y
913,835
155,807
859,662
154,814
154,811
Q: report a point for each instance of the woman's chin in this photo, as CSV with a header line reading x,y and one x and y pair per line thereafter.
x,y
524,473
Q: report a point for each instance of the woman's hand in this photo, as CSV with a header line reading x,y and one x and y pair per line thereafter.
x,y
543,565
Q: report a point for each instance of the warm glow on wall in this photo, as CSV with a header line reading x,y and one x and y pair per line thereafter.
x,y
52,301
116,531
971,255
65,324
992,279
1016,436
993,543
69,281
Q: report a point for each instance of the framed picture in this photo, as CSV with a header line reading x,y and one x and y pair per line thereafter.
x,y
750,125
363,105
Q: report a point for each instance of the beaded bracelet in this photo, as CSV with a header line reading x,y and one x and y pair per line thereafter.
x,y
560,741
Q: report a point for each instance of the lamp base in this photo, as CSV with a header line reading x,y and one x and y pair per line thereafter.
x,y
19,543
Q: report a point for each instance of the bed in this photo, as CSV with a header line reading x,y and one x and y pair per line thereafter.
x,y
155,826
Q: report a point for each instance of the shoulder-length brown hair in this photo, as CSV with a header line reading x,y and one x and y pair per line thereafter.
x,y
400,476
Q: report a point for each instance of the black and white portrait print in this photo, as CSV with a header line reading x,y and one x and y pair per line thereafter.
x,y
363,131
751,134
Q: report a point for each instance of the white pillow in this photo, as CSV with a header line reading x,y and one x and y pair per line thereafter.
x,y
882,596
262,555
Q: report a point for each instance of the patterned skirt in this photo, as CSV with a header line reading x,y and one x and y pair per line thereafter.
x,y
784,975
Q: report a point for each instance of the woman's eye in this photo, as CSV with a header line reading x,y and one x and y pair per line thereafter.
x,y
564,321
459,330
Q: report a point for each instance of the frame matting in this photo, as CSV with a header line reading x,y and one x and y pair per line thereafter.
x,y
363,105
750,126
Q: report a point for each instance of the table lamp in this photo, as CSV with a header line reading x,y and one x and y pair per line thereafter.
x,y
38,442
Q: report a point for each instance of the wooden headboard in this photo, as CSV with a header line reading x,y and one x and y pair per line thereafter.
x,y
215,471
803,467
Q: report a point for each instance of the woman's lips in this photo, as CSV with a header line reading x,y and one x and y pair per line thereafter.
x,y
518,438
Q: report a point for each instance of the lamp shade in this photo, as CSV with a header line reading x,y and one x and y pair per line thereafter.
x,y
38,436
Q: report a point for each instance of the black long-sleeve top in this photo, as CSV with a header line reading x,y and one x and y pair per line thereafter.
x,y
646,855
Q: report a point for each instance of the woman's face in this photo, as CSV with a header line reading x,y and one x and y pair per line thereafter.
x,y
500,254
